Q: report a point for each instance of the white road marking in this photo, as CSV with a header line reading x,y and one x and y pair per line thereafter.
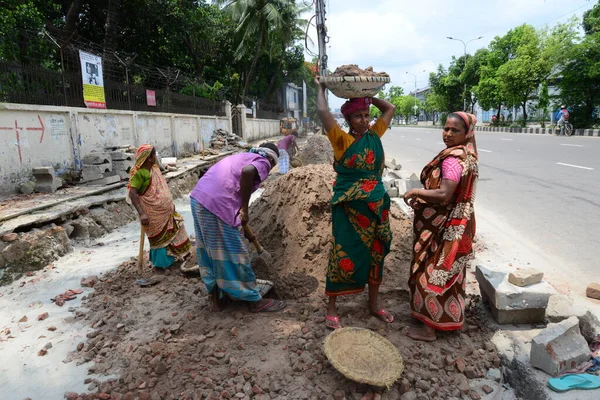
x,y
418,139
441,143
571,145
575,166
508,140
485,151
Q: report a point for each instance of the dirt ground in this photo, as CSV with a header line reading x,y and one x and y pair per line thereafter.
x,y
163,342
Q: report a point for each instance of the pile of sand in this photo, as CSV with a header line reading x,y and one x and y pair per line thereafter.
x,y
354,70
317,150
292,220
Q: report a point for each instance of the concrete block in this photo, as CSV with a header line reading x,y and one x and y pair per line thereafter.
x,y
559,347
400,184
561,307
593,291
123,165
124,175
589,326
392,165
45,181
506,296
414,183
109,180
90,176
525,277
387,182
519,317
120,156
393,192
95,158
393,174
43,171
98,169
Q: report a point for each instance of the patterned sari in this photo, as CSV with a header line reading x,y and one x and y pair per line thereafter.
x,y
166,229
360,219
443,245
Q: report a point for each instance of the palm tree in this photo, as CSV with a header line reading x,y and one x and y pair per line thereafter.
x,y
254,19
272,24
292,29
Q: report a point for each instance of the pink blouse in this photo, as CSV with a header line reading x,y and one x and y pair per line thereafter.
x,y
451,169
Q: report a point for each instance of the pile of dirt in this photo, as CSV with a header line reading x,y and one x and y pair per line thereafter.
x,y
354,70
164,341
292,220
223,140
317,150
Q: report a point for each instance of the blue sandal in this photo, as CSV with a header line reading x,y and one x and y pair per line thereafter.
x,y
574,381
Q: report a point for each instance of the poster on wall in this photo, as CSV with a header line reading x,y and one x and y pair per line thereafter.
x,y
151,97
93,83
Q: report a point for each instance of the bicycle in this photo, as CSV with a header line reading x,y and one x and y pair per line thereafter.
x,y
565,128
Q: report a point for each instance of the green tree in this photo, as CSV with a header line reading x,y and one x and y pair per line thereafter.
x,y
579,80
405,106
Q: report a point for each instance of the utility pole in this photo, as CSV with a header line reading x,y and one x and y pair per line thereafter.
x,y
322,37
465,54
415,92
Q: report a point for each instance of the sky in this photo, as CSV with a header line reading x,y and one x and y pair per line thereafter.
x,y
400,36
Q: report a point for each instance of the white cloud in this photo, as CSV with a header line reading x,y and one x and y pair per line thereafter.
x,y
399,36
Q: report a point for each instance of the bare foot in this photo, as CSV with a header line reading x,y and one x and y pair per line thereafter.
x,y
424,333
214,300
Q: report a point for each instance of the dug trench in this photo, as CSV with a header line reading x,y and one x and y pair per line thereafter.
x,y
33,247
164,341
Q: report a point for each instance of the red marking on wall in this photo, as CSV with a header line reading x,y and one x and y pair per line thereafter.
x,y
41,128
17,129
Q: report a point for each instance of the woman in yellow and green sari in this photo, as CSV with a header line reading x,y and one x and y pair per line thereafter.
x,y
149,193
360,204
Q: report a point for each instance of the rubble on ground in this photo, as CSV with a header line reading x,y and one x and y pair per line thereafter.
x,y
165,342
227,141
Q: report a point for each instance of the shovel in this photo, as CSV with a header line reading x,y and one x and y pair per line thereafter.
x,y
140,271
262,259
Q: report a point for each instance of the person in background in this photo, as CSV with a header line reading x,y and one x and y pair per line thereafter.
x,y
562,116
149,193
219,207
360,205
444,228
287,148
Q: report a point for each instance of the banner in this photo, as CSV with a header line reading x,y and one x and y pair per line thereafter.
x,y
151,97
93,83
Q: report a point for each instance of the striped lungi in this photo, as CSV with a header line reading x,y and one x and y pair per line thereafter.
x,y
222,256
284,161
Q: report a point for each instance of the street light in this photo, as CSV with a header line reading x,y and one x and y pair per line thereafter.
x,y
410,73
465,47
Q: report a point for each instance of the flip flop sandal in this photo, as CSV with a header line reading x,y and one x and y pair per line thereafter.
x,y
73,292
384,315
143,282
332,322
272,306
574,381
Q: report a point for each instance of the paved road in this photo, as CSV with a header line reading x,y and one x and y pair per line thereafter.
x,y
538,198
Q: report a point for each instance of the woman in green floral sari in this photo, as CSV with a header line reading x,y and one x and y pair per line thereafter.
x,y
360,204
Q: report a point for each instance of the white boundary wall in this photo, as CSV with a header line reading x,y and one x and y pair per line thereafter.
x,y
35,136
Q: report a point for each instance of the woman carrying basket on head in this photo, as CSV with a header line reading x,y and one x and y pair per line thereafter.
x,y
360,205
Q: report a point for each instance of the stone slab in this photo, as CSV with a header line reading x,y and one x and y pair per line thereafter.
x,y
589,325
392,192
43,171
98,169
120,156
107,180
413,183
123,165
96,158
559,347
593,291
400,184
90,176
525,277
561,307
493,281
518,317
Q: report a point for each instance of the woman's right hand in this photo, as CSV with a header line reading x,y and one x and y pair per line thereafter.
x,y
144,219
319,84
410,197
